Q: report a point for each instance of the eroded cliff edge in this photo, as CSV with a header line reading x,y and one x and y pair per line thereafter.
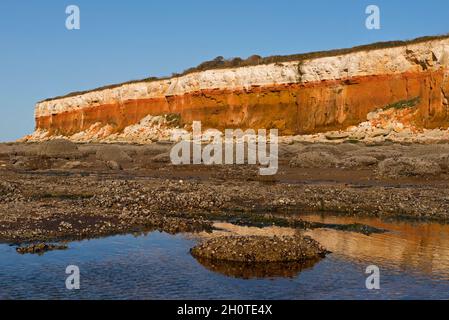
x,y
296,97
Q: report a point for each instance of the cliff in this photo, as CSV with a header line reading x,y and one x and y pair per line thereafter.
x,y
297,97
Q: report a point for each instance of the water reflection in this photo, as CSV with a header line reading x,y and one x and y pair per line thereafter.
x,y
159,266
243,270
420,246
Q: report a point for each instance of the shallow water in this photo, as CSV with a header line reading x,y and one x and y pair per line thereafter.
x,y
413,261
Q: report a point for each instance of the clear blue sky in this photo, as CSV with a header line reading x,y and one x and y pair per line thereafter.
x,y
124,40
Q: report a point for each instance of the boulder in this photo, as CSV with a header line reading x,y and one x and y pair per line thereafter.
x,y
359,161
59,148
113,165
113,153
260,249
313,159
408,167
336,135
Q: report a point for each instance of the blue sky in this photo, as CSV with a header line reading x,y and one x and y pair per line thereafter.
x,y
124,40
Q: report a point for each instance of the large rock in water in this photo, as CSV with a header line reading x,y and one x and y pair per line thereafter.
x,y
59,148
260,249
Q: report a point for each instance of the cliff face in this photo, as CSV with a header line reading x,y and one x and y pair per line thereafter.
x,y
309,96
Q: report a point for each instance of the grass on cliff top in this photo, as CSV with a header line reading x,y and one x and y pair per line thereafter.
x,y
222,63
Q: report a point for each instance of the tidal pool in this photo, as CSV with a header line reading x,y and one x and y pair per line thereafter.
x,y
413,259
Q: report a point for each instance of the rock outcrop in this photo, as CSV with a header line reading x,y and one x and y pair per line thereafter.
x,y
296,97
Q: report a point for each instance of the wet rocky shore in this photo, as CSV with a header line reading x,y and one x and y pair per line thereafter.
x,y
58,190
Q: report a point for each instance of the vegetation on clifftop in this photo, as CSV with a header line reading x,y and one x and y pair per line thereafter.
x,y
222,63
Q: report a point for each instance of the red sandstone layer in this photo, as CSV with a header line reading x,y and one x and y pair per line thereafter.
x,y
292,108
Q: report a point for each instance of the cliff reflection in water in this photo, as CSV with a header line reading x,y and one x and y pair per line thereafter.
x,y
419,246
256,270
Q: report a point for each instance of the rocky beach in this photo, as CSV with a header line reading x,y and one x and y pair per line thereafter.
x,y
60,191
